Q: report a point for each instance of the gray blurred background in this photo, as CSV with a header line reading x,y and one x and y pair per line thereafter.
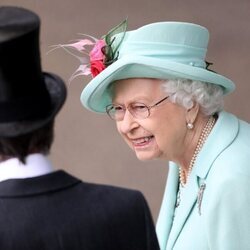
x,y
86,144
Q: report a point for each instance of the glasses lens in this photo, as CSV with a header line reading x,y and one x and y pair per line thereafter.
x,y
115,112
139,110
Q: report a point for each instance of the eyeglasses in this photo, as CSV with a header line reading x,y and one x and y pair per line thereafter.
x,y
136,109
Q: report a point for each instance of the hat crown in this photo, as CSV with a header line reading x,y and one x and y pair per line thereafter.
x,y
23,95
181,33
176,41
13,23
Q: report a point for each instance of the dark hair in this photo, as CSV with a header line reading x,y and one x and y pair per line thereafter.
x,y
37,141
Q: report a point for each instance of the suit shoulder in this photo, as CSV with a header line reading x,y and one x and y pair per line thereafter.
x,y
105,190
115,190
118,202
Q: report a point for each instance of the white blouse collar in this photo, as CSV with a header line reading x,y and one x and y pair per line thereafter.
x,y
36,165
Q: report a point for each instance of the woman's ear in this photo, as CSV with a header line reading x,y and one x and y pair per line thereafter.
x,y
192,113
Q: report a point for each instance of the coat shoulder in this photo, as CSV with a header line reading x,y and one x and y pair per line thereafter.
x,y
117,196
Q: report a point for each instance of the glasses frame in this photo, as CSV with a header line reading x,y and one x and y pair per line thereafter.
x,y
124,108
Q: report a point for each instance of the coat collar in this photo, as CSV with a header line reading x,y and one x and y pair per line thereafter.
x,y
222,135
37,185
168,228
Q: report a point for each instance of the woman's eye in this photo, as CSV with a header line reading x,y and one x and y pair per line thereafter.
x,y
139,107
117,108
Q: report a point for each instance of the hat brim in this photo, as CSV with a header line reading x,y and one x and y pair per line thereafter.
x,y
57,92
96,95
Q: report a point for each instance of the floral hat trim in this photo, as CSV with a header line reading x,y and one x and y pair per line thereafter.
x,y
95,54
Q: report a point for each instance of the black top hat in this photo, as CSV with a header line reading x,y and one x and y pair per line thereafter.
x,y
29,98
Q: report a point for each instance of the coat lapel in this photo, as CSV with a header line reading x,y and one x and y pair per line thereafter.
x,y
188,200
165,219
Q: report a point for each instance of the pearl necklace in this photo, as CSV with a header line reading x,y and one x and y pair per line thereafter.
x,y
204,134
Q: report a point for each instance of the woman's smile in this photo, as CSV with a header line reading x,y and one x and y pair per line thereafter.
x,y
142,142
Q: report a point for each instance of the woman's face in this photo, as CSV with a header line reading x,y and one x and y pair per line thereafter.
x,y
162,134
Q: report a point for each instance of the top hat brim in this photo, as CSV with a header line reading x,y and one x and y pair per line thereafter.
x,y
96,95
57,91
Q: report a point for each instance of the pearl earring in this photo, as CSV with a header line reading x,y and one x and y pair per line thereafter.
x,y
190,125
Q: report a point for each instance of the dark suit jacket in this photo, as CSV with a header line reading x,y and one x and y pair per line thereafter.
x,y
58,211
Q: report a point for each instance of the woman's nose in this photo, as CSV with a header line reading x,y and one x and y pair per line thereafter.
x,y
128,123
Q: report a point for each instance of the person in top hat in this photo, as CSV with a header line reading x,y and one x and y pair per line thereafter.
x,y
41,208
155,83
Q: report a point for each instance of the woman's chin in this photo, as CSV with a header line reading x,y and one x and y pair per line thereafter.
x,y
146,156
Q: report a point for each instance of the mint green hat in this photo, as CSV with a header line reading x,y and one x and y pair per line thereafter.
x,y
164,50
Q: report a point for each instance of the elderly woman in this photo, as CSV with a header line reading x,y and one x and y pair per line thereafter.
x,y
155,84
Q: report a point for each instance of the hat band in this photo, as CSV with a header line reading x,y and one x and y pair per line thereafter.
x,y
184,54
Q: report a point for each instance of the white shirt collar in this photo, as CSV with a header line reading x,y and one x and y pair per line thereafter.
x,y
36,165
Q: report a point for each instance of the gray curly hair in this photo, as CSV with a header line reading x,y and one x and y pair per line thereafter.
x,y
186,92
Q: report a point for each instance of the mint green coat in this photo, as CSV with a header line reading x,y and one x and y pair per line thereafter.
x,y
220,218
